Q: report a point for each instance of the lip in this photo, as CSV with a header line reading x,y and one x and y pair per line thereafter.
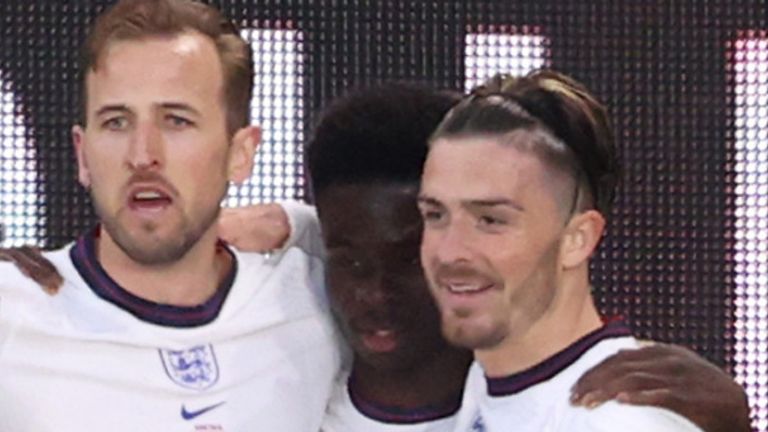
x,y
464,292
380,340
464,284
149,208
376,334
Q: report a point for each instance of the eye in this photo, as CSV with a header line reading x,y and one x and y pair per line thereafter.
x,y
178,122
491,223
487,220
115,123
431,216
345,263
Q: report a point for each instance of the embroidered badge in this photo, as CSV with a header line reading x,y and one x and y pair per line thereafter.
x,y
193,368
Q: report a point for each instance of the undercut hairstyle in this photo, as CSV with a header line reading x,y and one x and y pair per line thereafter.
x,y
135,20
570,127
375,135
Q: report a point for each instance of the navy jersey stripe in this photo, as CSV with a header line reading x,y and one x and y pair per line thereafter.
x,y
83,256
515,383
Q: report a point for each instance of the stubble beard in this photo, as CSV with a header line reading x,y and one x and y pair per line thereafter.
x,y
461,332
148,250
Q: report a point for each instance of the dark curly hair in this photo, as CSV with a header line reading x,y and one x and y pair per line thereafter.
x,y
373,134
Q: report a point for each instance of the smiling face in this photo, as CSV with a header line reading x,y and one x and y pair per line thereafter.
x,y
156,153
493,228
375,280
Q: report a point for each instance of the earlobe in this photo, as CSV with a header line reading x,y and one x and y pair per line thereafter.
x,y
78,140
241,153
582,236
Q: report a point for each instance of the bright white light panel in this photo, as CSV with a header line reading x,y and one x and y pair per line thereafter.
x,y
277,107
19,201
750,68
487,54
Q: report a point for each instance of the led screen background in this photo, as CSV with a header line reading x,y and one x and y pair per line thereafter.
x,y
685,82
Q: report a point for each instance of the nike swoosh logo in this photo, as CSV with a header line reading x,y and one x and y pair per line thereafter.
x,y
190,415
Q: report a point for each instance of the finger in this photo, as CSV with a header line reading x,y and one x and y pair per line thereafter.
x,y
40,269
633,381
660,397
636,390
34,254
661,359
609,369
30,260
31,263
592,399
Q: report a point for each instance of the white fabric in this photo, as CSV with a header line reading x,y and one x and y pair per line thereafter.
x,y
75,362
344,416
544,407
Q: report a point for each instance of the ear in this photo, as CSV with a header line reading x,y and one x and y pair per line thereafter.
x,y
78,140
582,235
244,143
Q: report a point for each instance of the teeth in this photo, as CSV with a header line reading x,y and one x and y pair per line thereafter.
x,y
383,333
464,288
148,195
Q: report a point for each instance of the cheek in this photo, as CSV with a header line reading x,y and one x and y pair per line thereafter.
x,y
511,262
426,251
341,290
105,169
204,151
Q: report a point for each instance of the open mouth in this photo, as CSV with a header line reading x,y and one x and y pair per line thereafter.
x,y
467,288
149,199
381,340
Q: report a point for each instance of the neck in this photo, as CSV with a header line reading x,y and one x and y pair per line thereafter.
x,y
434,382
571,315
189,281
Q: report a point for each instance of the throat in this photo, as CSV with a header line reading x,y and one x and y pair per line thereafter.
x,y
190,281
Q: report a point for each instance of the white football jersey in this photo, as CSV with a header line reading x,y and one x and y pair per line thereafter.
x,y
349,413
261,355
537,399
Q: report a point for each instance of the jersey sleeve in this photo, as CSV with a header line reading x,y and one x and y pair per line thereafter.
x,y
305,228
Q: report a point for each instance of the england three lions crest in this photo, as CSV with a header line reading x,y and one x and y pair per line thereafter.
x,y
193,368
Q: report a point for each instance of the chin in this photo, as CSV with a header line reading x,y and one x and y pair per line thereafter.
x,y
464,333
391,361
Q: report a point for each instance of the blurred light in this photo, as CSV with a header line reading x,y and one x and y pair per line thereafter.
x,y
487,54
20,206
750,89
276,107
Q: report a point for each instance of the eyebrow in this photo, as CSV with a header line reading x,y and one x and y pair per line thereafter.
x,y
180,106
111,108
423,199
476,203
494,202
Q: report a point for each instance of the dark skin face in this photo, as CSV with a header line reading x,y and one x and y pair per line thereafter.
x,y
378,292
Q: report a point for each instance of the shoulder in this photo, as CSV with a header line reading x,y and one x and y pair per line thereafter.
x,y
612,416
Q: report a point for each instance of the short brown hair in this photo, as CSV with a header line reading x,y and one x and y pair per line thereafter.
x,y
576,132
138,19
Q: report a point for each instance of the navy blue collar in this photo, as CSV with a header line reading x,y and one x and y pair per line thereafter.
x,y
515,383
83,255
397,415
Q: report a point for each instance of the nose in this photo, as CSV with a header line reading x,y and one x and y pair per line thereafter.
x,y
146,147
373,289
